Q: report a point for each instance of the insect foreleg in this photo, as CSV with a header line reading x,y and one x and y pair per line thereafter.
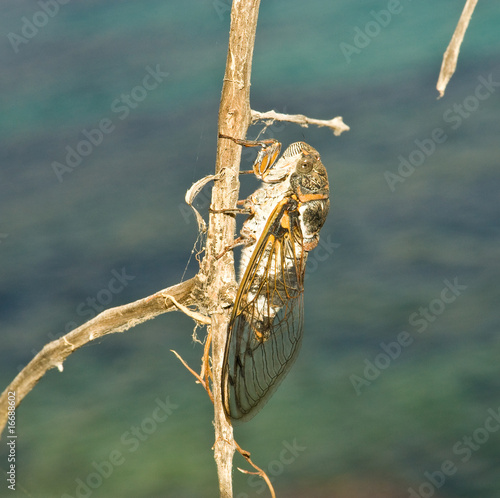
x,y
265,158
242,240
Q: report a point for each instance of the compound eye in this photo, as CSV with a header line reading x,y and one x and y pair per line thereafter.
x,y
305,166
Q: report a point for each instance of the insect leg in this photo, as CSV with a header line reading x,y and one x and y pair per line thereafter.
x,y
242,240
246,209
265,158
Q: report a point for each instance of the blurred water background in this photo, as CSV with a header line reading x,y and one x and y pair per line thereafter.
x,y
397,387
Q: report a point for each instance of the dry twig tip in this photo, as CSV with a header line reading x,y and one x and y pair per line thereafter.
x,y
450,57
336,124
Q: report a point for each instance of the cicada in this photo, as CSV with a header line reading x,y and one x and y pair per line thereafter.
x,y
266,326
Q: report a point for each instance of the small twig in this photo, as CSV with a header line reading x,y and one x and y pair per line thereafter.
x,y
200,379
246,455
191,194
336,124
198,317
450,57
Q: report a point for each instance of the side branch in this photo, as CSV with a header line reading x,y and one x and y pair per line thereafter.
x,y
450,57
336,124
116,319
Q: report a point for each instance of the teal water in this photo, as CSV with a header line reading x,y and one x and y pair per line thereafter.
x,y
418,263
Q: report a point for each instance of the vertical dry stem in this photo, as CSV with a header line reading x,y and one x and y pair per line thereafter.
x,y
234,119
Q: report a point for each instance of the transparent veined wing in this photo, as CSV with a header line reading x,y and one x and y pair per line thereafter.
x,y
266,325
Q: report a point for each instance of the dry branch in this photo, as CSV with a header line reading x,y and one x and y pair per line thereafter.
x,y
451,55
336,124
113,320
